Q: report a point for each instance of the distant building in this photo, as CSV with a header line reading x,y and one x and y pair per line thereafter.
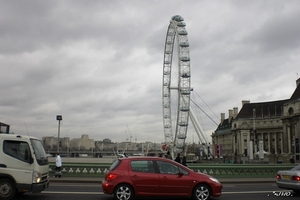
x,y
106,140
50,143
65,144
260,131
83,143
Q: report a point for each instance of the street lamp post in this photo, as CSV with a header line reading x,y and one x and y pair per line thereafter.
x,y
254,132
59,118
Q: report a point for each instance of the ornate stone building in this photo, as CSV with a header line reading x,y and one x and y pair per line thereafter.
x,y
268,131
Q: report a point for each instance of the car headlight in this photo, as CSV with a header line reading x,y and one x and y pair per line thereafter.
x,y
36,177
214,179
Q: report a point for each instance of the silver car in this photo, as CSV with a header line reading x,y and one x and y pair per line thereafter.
x,y
289,179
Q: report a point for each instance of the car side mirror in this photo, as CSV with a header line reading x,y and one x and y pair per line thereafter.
x,y
180,173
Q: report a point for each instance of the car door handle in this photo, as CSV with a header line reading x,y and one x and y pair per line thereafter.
x,y
135,176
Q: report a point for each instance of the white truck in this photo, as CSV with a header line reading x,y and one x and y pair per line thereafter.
x,y
24,166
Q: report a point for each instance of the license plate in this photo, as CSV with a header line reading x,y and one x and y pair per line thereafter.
x,y
286,176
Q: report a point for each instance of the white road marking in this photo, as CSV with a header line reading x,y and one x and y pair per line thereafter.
x,y
85,193
255,192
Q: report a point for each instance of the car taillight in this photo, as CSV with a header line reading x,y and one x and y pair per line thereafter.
x,y
278,176
111,177
295,178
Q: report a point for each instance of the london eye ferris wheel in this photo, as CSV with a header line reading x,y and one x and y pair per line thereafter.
x,y
176,86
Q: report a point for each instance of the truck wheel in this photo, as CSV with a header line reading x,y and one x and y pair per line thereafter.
x,y
7,189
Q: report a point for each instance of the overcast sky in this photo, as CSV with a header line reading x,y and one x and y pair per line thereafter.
x,y
99,63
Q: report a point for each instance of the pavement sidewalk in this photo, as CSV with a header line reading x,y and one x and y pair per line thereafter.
x,y
222,180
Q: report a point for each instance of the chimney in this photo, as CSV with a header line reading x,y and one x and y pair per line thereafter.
x,y
222,117
230,113
235,112
245,101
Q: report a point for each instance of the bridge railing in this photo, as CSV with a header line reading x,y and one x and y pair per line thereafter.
x,y
226,170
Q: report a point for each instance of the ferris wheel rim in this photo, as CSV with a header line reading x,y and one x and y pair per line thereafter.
x,y
176,30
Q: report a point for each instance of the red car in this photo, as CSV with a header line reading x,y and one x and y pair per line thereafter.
x,y
154,176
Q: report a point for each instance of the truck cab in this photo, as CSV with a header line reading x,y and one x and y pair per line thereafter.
x,y
24,166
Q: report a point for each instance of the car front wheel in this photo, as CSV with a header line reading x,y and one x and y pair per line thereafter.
x,y
123,192
202,192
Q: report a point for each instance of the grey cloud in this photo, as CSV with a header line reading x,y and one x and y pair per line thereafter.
x,y
99,63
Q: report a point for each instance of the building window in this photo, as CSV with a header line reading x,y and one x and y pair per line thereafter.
x,y
291,111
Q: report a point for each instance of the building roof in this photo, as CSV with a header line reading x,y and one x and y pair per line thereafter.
x,y
296,94
225,125
262,109
267,109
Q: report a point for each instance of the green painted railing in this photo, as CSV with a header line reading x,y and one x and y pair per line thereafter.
x,y
241,170
217,170
81,169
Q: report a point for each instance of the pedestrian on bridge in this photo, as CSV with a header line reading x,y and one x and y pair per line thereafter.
x,y
58,164
178,159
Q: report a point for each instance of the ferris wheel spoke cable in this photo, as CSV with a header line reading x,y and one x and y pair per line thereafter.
x,y
204,112
207,105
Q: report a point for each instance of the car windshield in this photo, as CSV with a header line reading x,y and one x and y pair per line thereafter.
x,y
39,152
296,168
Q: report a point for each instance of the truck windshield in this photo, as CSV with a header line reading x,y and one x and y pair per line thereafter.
x,y
39,152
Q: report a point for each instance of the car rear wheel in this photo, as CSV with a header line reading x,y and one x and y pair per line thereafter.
x,y
123,192
201,192
7,189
